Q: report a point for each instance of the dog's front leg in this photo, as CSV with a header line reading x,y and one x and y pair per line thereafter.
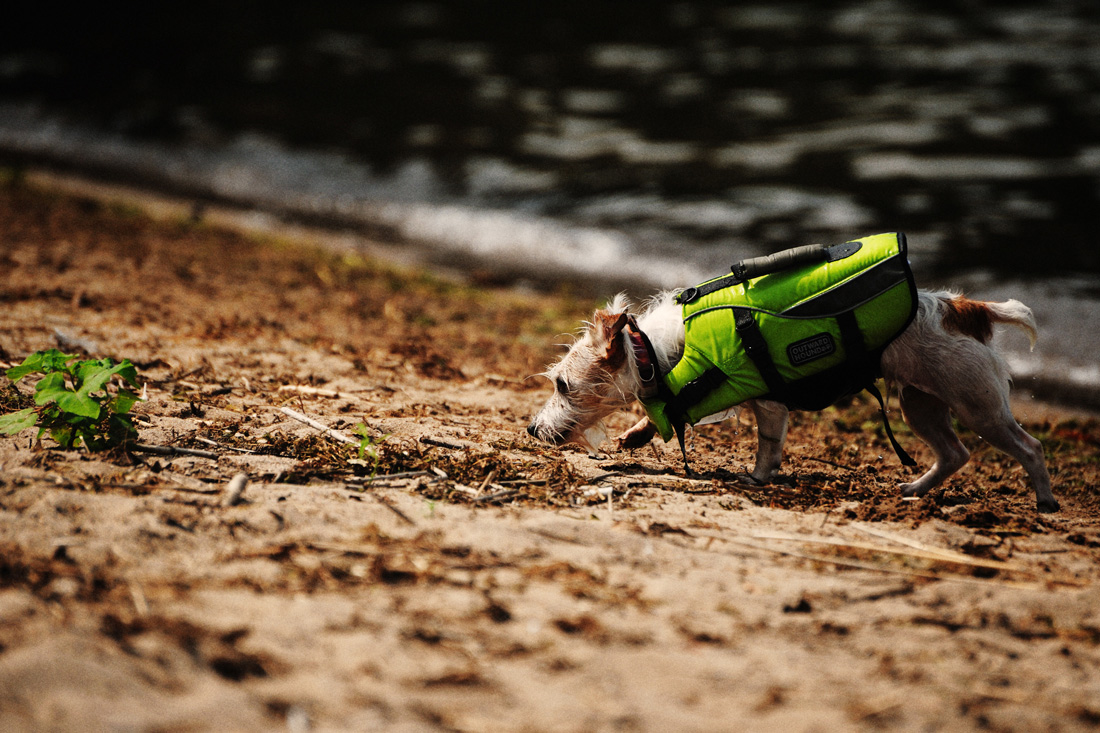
x,y
771,435
637,436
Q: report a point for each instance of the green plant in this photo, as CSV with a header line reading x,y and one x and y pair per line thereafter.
x,y
368,447
76,402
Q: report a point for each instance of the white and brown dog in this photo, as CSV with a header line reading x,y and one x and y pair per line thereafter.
x,y
942,364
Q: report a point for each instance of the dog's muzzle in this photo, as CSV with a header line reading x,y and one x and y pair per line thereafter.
x,y
544,434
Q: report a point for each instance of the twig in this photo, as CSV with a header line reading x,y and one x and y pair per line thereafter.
x,y
919,553
385,502
488,479
947,555
172,450
825,461
334,434
386,477
443,444
643,478
234,489
506,494
840,562
305,389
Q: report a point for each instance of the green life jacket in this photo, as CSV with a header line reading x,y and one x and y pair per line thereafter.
x,y
806,335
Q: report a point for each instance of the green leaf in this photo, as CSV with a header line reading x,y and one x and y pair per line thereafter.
x,y
46,362
120,429
51,388
64,436
128,372
14,422
122,403
18,372
93,375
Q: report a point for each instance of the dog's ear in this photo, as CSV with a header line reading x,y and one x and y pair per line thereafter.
x,y
609,326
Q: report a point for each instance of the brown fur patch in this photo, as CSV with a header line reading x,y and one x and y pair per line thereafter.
x,y
969,318
610,327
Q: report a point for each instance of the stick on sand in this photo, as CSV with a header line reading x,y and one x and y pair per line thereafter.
x,y
334,434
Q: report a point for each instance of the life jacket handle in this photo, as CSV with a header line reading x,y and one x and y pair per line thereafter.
x,y
785,260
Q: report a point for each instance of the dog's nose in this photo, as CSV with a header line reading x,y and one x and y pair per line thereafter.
x,y
532,431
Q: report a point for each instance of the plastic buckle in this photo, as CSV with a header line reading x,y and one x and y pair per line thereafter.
x,y
687,296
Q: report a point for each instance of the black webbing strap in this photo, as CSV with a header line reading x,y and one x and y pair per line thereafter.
x,y
680,426
855,352
690,295
906,459
694,392
756,348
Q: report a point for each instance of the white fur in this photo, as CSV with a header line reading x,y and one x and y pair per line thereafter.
x,y
937,372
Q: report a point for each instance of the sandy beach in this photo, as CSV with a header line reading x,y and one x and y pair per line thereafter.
x,y
455,575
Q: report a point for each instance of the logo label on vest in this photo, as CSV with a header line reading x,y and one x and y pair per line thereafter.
x,y
810,349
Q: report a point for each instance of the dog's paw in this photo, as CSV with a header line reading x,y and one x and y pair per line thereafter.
x,y
913,490
748,478
1049,506
637,436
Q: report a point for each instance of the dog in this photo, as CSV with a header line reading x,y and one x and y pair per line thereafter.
x,y
942,364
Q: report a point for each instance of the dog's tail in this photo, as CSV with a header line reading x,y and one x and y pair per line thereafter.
x,y
1015,313
975,318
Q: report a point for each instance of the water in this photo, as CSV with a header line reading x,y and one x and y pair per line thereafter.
x,y
619,144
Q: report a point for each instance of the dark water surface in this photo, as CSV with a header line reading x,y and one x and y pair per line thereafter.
x,y
647,143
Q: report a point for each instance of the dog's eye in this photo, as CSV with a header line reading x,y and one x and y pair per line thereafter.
x,y
561,386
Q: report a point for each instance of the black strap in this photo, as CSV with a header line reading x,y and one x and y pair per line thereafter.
x,y
756,348
906,459
694,392
680,426
692,294
855,350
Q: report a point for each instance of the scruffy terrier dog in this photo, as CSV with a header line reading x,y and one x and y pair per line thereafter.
x,y
942,363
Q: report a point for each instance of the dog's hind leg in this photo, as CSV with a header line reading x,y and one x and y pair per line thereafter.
x,y
987,413
930,418
771,435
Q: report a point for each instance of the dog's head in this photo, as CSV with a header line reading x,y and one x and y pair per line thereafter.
x,y
594,379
